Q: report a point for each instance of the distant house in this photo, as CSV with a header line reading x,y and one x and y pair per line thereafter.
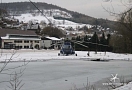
x,y
18,39
51,42
24,26
42,25
34,27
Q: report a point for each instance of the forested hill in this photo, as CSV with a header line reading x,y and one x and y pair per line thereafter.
x,y
76,17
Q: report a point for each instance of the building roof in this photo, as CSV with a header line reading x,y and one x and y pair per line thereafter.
x,y
4,32
50,38
7,38
53,38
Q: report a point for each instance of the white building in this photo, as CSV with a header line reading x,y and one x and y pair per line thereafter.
x,y
18,39
51,42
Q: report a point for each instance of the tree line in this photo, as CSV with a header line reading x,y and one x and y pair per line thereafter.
x,y
93,43
122,40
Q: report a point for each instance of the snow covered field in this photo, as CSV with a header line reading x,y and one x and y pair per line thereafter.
x,y
41,55
48,71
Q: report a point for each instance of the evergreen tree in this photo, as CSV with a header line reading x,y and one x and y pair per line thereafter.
x,y
109,48
108,39
78,38
103,42
94,42
86,38
102,39
95,38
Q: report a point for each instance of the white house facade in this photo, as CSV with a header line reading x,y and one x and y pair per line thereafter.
x,y
51,42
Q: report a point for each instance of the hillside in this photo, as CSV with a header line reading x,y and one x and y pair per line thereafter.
x,y
24,7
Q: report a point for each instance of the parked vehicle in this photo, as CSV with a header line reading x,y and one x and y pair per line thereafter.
x,y
67,49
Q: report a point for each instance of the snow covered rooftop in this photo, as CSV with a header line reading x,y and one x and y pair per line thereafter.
x,y
53,38
7,38
20,37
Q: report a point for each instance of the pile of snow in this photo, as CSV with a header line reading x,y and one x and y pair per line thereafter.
x,y
125,87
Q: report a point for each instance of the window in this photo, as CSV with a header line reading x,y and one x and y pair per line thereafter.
x,y
18,47
23,36
26,47
26,41
17,41
36,41
53,42
7,46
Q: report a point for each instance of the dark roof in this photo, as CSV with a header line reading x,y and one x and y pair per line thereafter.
x,y
3,32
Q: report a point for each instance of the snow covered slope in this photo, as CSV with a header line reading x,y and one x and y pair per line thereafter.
x,y
40,18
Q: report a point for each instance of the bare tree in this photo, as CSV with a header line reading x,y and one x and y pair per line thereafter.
x,y
15,83
124,24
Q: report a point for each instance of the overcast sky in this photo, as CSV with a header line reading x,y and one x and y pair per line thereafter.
x,y
92,8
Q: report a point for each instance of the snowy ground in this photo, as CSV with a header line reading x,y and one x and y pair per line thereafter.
x,y
39,55
48,71
125,87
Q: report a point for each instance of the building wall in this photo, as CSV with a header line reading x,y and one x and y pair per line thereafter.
x,y
42,44
50,43
22,43
47,43
8,41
